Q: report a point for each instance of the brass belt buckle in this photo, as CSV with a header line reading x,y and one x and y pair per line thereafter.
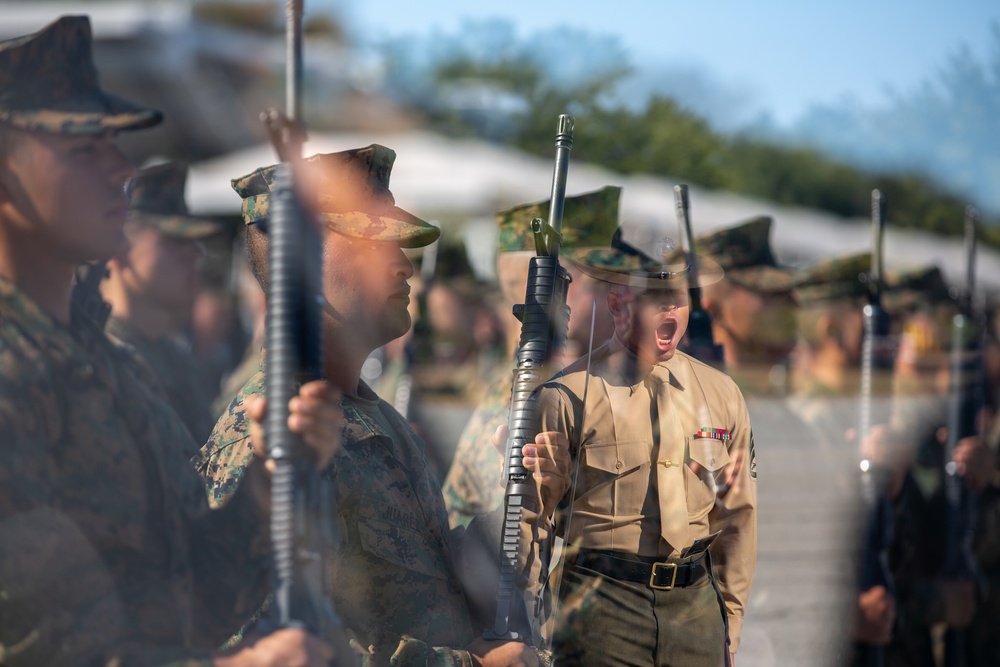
x,y
673,577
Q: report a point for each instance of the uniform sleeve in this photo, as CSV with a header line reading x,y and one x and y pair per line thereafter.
x,y
734,553
473,485
413,652
59,602
231,544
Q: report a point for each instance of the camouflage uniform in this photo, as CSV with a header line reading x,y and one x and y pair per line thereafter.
x,y
86,440
395,566
177,372
473,484
108,551
156,201
396,579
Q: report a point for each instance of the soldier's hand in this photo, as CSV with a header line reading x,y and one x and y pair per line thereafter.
x,y
888,448
488,653
290,647
874,616
975,462
548,460
314,414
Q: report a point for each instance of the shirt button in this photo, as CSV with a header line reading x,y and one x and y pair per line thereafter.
x,y
618,465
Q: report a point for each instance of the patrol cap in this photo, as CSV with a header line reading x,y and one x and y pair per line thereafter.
x,y
835,279
351,196
910,289
744,252
48,83
590,219
624,264
156,199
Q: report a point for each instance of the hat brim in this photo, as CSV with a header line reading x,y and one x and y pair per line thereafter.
x,y
764,278
672,276
177,226
110,114
388,224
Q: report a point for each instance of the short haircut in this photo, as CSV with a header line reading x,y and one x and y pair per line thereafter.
x,y
257,254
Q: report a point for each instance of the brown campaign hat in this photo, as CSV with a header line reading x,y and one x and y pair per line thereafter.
x,y
48,83
156,199
351,195
623,264
589,219
744,251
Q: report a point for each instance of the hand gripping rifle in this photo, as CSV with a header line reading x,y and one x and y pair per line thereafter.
x,y
701,344
302,502
544,320
877,517
965,399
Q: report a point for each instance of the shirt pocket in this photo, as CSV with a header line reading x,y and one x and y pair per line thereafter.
x,y
711,456
616,476
710,453
401,545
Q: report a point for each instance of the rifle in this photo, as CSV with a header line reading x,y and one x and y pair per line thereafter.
x,y
544,322
302,502
701,344
965,398
877,508
86,297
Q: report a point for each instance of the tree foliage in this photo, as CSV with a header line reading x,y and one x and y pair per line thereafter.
x,y
508,94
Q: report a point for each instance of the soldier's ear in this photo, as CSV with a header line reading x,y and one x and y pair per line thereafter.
x,y
828,328
614,303
710,302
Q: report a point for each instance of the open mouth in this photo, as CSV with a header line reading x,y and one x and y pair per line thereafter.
x,y
665,333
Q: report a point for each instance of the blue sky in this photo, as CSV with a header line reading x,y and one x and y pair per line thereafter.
x,y
779,56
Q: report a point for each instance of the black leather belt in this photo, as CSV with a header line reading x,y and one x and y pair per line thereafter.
x,y
661,574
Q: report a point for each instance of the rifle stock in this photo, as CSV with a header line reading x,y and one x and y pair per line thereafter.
x,y
544,320
701,343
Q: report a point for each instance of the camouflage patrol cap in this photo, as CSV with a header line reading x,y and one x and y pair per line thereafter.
x,y
156,199
48,83
835,279
589,220
910,289
744,251
623,264
352,196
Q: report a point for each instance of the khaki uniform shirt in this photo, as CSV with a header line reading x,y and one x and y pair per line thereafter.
x,y
653,450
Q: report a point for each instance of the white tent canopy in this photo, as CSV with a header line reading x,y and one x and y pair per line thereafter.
x,y
462,182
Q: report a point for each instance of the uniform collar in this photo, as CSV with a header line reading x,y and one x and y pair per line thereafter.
x,y
24,313
633,371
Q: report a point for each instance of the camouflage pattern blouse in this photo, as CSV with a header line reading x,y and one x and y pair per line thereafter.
x,y
394,567
473,485
178,373
109,553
